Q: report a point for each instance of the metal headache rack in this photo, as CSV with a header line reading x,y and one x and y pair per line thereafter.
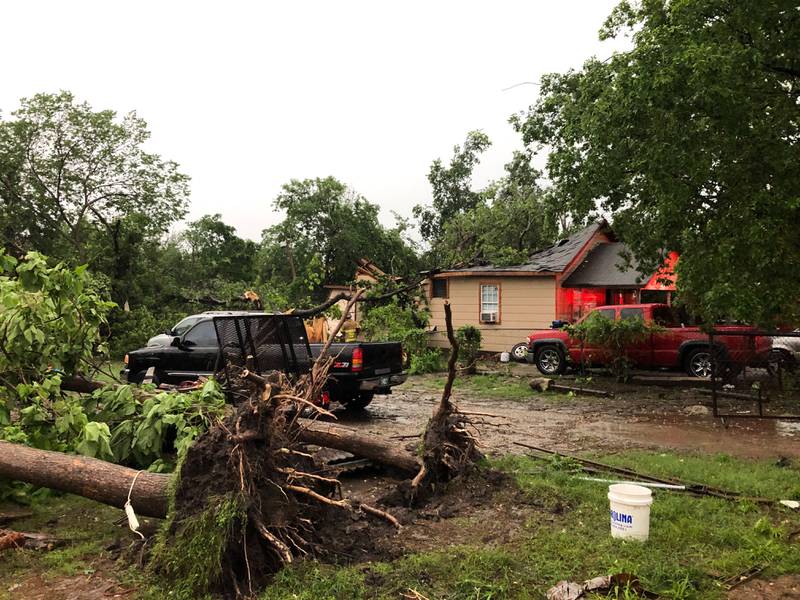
x,y
262,343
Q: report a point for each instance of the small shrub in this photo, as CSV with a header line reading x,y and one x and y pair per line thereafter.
x,y
469,343
614,336
429,361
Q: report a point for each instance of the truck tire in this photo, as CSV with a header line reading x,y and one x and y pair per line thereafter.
x,y
699,363
360,401
137,377
519,352
550,360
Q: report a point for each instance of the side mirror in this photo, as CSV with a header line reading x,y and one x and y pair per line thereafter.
x,y
176,341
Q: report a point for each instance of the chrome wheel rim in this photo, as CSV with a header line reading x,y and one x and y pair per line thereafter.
x,y
701,365
549,361
520,352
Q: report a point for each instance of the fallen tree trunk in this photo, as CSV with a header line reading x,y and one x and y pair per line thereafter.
x,y
109,483
95,479
365,446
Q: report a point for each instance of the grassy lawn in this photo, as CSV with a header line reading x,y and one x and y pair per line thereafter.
x,y
86,526
695,542
498,387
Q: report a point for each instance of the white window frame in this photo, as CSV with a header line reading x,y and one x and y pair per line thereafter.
x,y
489,303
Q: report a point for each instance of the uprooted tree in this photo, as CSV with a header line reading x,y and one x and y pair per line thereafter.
x,y
249,496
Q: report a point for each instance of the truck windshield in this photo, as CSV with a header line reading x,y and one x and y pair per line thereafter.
x,y
184,326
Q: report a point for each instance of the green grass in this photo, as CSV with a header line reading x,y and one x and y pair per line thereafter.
x,y
695,541
85,526
497,387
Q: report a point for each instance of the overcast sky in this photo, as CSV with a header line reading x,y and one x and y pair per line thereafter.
x,y
247,95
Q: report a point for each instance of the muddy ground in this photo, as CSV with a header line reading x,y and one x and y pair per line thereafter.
x,y
638,416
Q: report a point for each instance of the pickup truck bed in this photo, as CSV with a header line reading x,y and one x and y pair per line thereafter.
x,y
362,369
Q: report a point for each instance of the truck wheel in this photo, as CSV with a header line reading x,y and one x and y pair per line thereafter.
x,y
550,360
137,377
360,402
520,352
780,359
699,363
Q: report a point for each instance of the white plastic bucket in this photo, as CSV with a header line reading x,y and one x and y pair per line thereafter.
x,y
505,357
630,511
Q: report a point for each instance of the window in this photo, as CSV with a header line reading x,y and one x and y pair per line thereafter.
x,y
185,325
665,316
631,313
608,313
202,334
490,303
439,289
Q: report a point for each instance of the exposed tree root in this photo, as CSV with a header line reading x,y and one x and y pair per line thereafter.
x,y
449,449
259,497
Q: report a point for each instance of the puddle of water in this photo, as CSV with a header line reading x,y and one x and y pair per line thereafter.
x,y
743,437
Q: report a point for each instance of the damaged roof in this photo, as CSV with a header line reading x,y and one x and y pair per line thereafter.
x,y
554,259
601,267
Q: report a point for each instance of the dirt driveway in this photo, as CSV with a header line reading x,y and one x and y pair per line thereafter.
x,y
637,416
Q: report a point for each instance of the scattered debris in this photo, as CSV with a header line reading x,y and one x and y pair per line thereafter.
x,y
542,384
19,539
736,580
569,590
791,504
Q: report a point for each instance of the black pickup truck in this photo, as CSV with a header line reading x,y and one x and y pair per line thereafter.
x,y
191,350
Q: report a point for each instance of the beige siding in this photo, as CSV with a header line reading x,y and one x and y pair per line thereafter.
x,y
526,303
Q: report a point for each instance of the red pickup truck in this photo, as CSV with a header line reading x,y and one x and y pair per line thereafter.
x,y
677,346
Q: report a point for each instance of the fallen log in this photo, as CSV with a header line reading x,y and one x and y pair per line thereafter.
x,y
542,384
95,479
366,446
109,483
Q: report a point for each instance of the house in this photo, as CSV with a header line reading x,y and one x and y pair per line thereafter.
x,y
561,282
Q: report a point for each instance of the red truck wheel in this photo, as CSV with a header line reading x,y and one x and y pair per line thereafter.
x,y
550,360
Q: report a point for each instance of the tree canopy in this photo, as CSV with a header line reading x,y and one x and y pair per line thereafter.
x,y
690,141
451,187
326,228
77,184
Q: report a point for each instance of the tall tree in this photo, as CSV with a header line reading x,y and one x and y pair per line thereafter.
x,y
692,140
514,218
216,252
76,183
328,227
451,186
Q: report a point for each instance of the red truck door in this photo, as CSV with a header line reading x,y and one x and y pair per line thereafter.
x,y
666,343
641,353
592,355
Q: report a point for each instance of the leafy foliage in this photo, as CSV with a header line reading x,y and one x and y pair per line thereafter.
x,y
77,184
691,140
469,343
326,229
427,361
50,318
514,218
452,187
124,424
404,323
614,335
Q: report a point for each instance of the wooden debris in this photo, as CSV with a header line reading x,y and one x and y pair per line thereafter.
x,y
542,384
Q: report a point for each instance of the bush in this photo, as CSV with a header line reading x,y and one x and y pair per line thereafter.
x,y
392,323
614,336
429,361
469,344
